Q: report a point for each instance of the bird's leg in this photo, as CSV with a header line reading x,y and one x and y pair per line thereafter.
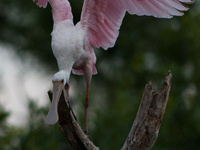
x,y
67,91
86,107
87,70
67,94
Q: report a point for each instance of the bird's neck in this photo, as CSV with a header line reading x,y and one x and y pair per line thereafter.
x,y
61,10
65,65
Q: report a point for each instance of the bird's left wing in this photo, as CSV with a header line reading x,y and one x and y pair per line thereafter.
x,y
103,18
156,8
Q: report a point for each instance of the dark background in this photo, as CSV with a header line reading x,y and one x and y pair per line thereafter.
x,y
145,50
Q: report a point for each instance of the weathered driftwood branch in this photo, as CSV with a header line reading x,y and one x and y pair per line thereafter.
x,y
70,128
144,131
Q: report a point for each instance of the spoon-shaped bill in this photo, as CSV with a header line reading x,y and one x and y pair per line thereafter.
x,y
52,116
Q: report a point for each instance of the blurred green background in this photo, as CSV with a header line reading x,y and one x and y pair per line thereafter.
x,y
145,50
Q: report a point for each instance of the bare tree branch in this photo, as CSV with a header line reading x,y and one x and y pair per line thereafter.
x,y
70,128
144,131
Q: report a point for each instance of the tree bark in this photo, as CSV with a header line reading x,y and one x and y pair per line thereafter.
x,y
70,128
145,128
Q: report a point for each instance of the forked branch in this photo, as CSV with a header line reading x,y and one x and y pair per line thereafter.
x,y
70,128
145,128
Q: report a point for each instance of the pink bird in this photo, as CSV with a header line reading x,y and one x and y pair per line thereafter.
x,y
99,26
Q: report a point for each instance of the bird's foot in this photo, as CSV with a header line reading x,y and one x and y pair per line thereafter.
x,y
87,134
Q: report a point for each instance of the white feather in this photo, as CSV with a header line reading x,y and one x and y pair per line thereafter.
x,y
61,75
67,44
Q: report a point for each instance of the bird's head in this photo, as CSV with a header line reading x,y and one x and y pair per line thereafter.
x,y
61,77
59,80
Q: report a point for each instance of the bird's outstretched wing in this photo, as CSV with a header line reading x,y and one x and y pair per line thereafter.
x,y
156,8
41,3
103,18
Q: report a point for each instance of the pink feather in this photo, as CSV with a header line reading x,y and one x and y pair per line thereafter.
x,y
41,3
99,27
103,18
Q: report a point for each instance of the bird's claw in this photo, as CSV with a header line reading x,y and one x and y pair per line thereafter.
x,y
87,134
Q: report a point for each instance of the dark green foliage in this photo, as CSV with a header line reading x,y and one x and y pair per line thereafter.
x,y
38,135
145,50
8,134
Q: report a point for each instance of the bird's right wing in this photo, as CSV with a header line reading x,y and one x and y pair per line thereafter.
x,y
41,3
103,18
61,9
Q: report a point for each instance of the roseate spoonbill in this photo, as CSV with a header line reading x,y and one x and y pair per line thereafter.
x,y
99,26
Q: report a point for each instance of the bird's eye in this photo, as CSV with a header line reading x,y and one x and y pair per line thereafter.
x,y
62,81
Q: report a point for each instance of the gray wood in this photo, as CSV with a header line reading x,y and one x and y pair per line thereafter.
x,y
145,128
70,128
